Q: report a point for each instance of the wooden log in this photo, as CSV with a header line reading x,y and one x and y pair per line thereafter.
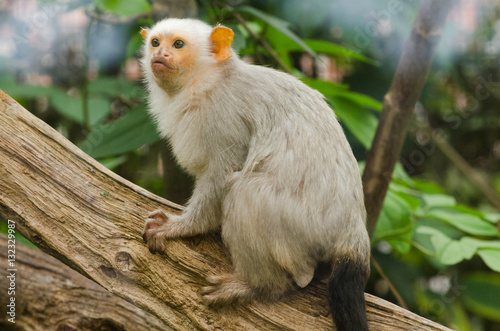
x,y
89,218
51,296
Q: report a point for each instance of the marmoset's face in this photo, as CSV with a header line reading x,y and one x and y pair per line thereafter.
x,y
170,54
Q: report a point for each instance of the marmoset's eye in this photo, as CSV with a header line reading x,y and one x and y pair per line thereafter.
x,y
155,42
179,44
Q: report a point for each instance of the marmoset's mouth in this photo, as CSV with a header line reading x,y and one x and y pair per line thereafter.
x,y
160,64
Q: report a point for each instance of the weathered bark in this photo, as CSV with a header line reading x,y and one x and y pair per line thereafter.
x,y
51,296
89,218
399,103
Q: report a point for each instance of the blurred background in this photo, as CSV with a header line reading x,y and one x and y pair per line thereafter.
x,y
436,249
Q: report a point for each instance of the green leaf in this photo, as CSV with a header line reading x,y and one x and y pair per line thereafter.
x,y
440,244
278,24
112,86
288,62
134,45
492,217
467,250
400,173
426,186
459,318
468,223
360,122
488,250
99,108
361,99
127,133
413,202
239,41
480,243
253,26
350,108
481,293
327,88
325,47
435,238
438,200
402,244
491,257
113,162
453,253
426,229
318,46
468,210
124,7
7,80
68,106
72,108
4,228
16,90
394,224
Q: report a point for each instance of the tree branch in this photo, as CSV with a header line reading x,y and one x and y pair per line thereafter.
x,y
264,44
52,294
89,218
399,103
466,169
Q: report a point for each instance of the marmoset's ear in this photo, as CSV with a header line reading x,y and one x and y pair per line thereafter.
x,y
222,38
144,33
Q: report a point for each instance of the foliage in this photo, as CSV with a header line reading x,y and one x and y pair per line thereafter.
x,y
124,8
422,232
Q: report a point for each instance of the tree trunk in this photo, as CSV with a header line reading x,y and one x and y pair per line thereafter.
x,y
51,296
89,218
399,103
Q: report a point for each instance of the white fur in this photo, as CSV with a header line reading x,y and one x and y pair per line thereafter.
x,y
272,166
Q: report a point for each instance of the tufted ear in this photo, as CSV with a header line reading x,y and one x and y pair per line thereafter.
x,y
222,38
144,33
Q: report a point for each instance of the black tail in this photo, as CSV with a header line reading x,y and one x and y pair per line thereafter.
x,y
346,294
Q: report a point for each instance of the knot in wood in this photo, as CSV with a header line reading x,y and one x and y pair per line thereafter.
x,y
108,271
123,261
